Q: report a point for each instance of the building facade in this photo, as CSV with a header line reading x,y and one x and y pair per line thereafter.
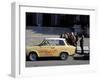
x,y
76,23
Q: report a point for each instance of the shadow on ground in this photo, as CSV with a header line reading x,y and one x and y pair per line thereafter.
x,y
78,56
82,56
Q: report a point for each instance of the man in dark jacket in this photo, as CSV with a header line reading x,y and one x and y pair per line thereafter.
x,y
81,44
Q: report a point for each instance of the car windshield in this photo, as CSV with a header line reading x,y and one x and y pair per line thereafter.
x,y
44,43
52,42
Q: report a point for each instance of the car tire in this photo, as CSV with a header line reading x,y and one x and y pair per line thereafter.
x,y
32,57
63,56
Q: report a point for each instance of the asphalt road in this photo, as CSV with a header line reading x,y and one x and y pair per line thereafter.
x,y
56,62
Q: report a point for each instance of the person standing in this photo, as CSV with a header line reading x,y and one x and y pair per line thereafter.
x,y
61,35
66,37
72,39
82,44
77,38
76,41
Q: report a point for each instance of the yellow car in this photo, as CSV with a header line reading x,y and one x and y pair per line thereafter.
x,y
50,47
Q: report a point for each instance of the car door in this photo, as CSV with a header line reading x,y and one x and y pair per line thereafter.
x,y
53,50
44,50
53,47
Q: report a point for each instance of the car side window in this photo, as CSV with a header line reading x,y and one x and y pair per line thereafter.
x,y
56,42
61,42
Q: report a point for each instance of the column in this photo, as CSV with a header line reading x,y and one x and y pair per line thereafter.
x,y
39,19
54,20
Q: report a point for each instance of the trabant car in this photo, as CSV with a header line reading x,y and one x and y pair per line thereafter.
x,y
50,47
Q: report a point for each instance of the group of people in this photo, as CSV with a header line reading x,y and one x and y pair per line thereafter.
x,y
72,39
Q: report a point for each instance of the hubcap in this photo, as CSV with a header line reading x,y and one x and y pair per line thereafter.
x,y
63,56
32,57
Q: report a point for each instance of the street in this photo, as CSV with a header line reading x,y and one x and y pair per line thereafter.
x,y
56,62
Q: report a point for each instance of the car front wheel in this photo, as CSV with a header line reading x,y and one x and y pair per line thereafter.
x,y
33,57
63,56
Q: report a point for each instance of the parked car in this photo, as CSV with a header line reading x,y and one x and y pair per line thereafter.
x,y
50,47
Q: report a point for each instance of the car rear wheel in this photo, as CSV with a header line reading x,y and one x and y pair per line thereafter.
x,y
63,56
33,57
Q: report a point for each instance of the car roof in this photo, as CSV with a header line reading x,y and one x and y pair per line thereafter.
x,y
54,38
